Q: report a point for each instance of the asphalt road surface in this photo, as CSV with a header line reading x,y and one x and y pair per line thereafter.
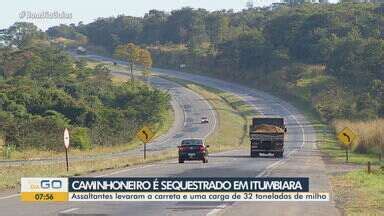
x,y
301,158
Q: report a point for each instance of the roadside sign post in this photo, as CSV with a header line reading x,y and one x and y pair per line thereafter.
x,y
66,145
346,153
145,151
66,158
346,136
145,135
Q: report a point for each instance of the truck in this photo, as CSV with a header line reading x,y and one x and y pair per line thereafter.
x,y
267,136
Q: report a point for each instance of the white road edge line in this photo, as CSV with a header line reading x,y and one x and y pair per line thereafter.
x,y
217,210
69,210
125,170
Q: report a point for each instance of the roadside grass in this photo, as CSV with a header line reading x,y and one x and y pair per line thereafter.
x,y
119,80
234,116
1,142
326,137
90,63
10,175
119,67
356,192
370,139
360,193
336,152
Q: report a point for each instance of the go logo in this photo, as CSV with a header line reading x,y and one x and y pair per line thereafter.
x,y
51,184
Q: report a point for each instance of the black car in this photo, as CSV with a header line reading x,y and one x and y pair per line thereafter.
x,y
204,120
193,149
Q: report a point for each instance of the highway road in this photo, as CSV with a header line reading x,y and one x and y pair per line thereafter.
x,y
302,158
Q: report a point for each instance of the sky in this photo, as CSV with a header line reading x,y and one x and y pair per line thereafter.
x,y
74,11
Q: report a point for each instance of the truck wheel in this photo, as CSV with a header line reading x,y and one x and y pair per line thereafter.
x,y
205,160
181,160
256,154
279,155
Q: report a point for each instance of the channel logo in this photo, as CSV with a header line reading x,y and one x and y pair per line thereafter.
x,y
48,184
44,189
44,184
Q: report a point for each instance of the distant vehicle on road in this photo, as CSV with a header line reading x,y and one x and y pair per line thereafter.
x,y
193,149
204,120
81,50
267,136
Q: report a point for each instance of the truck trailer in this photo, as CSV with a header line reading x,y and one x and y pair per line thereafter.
x,y
267,136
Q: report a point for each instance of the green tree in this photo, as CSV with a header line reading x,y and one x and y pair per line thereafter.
x,y
154,27
130,53
12,61
145,59
217,28
22,34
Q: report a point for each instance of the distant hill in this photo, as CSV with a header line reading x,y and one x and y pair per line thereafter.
x,y
329,55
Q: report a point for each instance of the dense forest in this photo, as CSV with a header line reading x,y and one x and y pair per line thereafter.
x,y
331,56
43,90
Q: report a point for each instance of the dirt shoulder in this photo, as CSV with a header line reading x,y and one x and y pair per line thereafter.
x,y
355,192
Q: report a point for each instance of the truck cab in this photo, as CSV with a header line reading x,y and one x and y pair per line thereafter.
x,y
267,136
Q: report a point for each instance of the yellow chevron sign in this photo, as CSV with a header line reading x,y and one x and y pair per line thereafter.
x,y
145,135
346,136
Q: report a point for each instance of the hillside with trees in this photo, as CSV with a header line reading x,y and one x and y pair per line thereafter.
x,y
331,56
43,90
